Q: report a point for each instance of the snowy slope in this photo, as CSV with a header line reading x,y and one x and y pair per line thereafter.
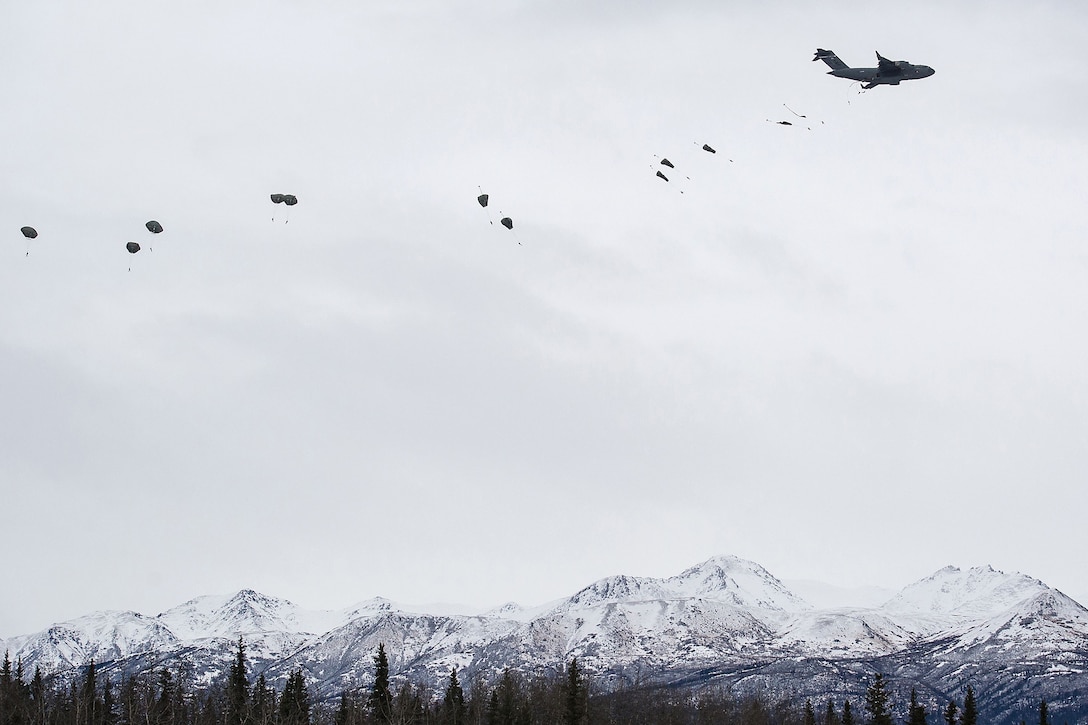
x,y
724,618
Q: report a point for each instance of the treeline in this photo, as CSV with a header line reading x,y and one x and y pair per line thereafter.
x,y
568,698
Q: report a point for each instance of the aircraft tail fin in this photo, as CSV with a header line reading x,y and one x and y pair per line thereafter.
x,y
829,57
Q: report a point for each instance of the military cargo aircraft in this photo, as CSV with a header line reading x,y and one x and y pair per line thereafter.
x,y
887,72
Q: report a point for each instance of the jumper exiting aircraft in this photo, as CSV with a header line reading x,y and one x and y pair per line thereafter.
x,y
887,72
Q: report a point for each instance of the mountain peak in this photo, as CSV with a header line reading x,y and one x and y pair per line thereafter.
x,y
979,591
737,581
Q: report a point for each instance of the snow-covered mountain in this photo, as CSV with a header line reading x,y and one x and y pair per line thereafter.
x,y
726,621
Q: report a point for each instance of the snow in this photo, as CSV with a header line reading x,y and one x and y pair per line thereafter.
x,y
724,609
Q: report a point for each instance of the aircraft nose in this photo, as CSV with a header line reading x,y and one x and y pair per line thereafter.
x,y
927,71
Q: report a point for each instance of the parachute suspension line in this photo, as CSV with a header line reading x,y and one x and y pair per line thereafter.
x,y
509,224
28,234
795,113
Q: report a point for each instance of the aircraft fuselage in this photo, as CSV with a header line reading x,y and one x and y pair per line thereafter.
x,y
887,72
876,76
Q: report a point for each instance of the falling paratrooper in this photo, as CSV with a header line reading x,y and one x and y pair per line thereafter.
x,y
155,228
509,224
482,200
132,248
29,233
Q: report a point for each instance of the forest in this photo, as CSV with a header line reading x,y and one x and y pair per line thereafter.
x,y
570,697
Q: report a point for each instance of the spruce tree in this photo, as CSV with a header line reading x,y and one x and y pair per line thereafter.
x,y
809,714
1044,719
380,702
453,702
88,698
847,714
916,714
950,713
830,718
346,711
263,702
576,700
38,705
109,705
969,716
876,702
238,689
294,706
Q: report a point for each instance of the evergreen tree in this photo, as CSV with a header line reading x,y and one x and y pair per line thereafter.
x,y
876,702
950,713
295,701
1044,719
163,712
38,695
830,717
109,704
969,716
809,717
847,714
87,708
453,702
916,713
576,699
237,705
504,706
380,702
263,707
15,700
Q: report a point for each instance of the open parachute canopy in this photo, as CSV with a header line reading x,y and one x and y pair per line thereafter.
x,y
153,226
707,147
277,198
29,232
132,247
507,222
482,198
290,199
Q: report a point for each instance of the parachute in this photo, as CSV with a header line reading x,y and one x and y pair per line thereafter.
x,y
662,176
29,233
132,247
666,162
482,199
154,227
509,224
708,148
288,199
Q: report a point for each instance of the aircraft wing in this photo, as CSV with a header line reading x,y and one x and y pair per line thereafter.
x,y
885,65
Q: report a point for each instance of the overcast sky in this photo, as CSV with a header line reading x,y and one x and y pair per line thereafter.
x,y
853,350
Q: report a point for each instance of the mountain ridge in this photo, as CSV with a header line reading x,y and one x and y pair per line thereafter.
x,y
711,621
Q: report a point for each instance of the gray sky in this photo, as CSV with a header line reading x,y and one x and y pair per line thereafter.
x,y
855,353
